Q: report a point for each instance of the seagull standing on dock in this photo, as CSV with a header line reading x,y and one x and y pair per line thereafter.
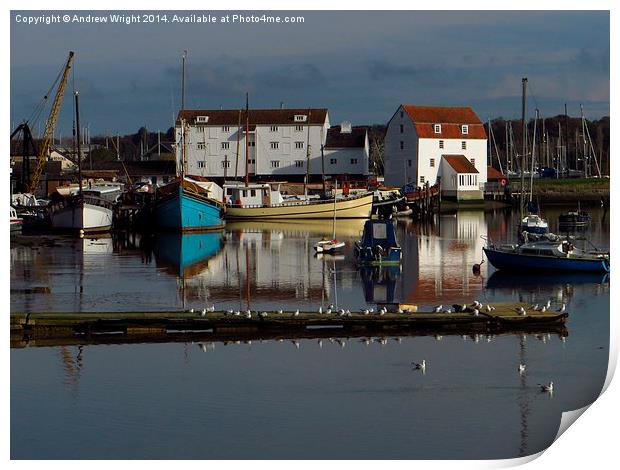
x,y
248,315
438,309
366,311
211,308
521,311
420,365
296,314
204,312
320,309
476,312
543,309
548,304
280,312
521,368
191,310
562,309
535,307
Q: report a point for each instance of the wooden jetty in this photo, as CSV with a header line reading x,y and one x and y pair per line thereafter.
x,y
99,327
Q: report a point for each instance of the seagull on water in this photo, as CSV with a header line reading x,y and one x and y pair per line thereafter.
x,y
521,368
419,365
546,388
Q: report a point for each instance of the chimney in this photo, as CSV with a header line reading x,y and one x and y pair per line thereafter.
x,y
281,104
345,127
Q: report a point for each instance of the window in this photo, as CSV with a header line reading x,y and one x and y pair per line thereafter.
x,y
201,146
464,145
202,119
421,179
299,145
299,128
225,164
275,145
437,128
408,163
300,118
252,192
473,161
402,128
251,161
299,163
441,144
464,129
333,161
225,145
275,163
461,180
402,145
273,128
432,163
225,128
354,161
202,164
251,143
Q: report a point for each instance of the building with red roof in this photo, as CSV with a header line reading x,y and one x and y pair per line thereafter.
x,y
437,144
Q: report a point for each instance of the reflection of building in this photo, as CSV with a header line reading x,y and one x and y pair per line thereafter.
x,y
441,266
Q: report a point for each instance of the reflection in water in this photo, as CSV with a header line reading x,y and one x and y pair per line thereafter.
x,y
380,283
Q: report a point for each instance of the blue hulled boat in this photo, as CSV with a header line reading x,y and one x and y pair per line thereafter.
x,y
187,205
548,256
378,245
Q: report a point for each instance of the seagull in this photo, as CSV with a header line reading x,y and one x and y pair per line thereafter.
x,y
191,310
420,365
535,307
438,308
366,311
463,308
248,315
230,312
381,312
329,311
262,314
490,308
296,343
296,314
348,312
280,312
546,388
562,309
330,306
543,309
321,343
477,304
211,308
448,310
342,312
320,309
548,305
476,312
521,368
204,312
520,311
237,313
372,310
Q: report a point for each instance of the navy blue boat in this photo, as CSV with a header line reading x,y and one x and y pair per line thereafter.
x,y
378,245
547,256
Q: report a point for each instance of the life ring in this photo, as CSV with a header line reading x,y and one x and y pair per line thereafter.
x,y
503,182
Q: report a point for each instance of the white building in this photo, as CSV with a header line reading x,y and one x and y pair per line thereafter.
x,y
280,142
418,140
346,151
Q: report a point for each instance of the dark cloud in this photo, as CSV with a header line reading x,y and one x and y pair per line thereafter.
x,y
597,59
290,77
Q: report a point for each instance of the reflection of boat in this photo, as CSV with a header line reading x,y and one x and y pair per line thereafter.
x,y
546,255
379,283
188,205
509,279
574,219
378,245
187,254
351,229
264,201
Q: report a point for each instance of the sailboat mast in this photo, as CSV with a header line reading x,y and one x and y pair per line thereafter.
x,y
523,126
79,146
307,157
335,192
247,139
533,156
238,138
183,126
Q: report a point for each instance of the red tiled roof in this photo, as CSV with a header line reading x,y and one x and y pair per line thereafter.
x,y
493,174
460,163
450,118
261,117
354,139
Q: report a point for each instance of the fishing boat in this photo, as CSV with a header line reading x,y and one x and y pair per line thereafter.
x,y
16,222
326,245
188,204
378,245
546,255
264,201
82,212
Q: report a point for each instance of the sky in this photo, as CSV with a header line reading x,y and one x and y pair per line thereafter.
x,y
359,65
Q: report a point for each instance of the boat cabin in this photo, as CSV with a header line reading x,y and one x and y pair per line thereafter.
x,y
254,194
378,244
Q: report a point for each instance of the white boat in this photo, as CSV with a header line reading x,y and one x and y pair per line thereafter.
x,y
16,222
533,223
264,201
333,245
82,213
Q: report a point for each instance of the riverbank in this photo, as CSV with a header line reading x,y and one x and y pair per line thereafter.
x,y
588,190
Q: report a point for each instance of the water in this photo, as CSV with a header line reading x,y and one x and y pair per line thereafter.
x,y
342,398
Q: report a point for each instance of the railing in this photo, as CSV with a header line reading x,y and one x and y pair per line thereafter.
x,y
306,202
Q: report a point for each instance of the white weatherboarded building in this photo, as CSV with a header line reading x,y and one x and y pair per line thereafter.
x,y
430,144
347,151
282,143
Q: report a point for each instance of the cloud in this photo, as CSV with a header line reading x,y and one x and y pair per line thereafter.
x,y
293,76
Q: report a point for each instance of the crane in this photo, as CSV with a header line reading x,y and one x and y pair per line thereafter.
x,y
49,127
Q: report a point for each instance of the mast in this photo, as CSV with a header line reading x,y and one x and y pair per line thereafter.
x,y
247,139
335,192
566,141
238,138
306,179
533,156
523,125
583,138
323,167
79,146
184,125
183,81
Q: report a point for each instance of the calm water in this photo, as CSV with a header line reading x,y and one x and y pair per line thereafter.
x,y
344,398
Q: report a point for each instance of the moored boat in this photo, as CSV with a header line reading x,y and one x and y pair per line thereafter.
x,y
16,222
378,245
546,255
574,219
533,223
82,212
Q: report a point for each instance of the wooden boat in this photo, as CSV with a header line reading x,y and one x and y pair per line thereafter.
x,y
546,255
378,245
187,205
264,201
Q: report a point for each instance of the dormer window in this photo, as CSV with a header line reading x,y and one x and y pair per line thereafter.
x,y
464,129
202,119
437,128
300,118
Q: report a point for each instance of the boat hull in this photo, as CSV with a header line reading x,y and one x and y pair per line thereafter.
x,y
185,211
351,208
515,261
80,215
